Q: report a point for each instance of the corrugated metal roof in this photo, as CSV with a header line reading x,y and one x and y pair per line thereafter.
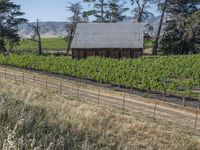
x,y
108,35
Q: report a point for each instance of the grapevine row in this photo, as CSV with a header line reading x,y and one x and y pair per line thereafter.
x,y
178,75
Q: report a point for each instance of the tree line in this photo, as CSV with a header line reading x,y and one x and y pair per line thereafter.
x,y
181,20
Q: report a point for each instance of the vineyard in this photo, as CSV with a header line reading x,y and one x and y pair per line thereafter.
x,y
167,75
148,43
47,44
53,44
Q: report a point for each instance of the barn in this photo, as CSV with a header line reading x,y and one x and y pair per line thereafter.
x,y
114,40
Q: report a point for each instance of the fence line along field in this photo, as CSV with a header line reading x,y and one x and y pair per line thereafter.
x,y
103,96
35,118
167,75
51,44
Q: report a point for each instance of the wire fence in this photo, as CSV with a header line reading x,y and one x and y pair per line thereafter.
x,y
123,101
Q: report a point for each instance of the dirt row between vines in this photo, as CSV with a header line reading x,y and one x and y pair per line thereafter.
x,y
127,103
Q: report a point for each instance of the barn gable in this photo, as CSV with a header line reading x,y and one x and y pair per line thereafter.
x,y
108,35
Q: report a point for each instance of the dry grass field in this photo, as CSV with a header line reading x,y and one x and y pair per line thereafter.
x,y
62,122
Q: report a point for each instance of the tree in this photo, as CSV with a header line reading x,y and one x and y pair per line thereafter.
x,y
162,6
181,36
100,10
140,11
116,11
10,19
36,28
77,17
148,30
193,29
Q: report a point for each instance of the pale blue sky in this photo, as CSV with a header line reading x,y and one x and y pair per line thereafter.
x,y
52,10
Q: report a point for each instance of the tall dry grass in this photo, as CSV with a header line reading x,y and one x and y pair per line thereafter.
x,y
32,118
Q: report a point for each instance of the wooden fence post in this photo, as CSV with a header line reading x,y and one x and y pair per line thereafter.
x,y
196,118
154,112
78,88
98,95
61,86
23,78
163,96
15,77
34,78
46,84
5,72
124,100
184,101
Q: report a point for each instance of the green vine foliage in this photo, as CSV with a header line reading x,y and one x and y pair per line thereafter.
x,y
173,74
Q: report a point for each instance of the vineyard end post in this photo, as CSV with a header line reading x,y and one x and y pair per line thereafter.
x,y
154,112
34,78
61,86
78,91
15,77
124,101
196,119
98,95
184,101
46,84
5,72
23,78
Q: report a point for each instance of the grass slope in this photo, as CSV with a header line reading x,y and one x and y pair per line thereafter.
x,y
36,119
148,43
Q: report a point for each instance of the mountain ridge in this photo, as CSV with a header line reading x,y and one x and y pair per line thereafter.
x,y
55,29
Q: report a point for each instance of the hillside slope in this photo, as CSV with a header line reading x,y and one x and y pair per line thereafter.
x,y
31,118
48,29
54,29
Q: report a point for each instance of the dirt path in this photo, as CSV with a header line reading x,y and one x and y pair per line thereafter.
x,y
129,103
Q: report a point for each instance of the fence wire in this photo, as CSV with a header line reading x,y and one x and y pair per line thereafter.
x,y
102,96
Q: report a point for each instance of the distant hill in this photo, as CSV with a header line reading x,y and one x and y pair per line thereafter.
x,y
154,22
48,29
58,29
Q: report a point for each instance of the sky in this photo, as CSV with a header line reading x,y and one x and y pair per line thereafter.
x,y
52,10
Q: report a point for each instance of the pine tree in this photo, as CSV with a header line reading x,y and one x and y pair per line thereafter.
x,y
9,22
99,11
193,29
181,36
116,11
